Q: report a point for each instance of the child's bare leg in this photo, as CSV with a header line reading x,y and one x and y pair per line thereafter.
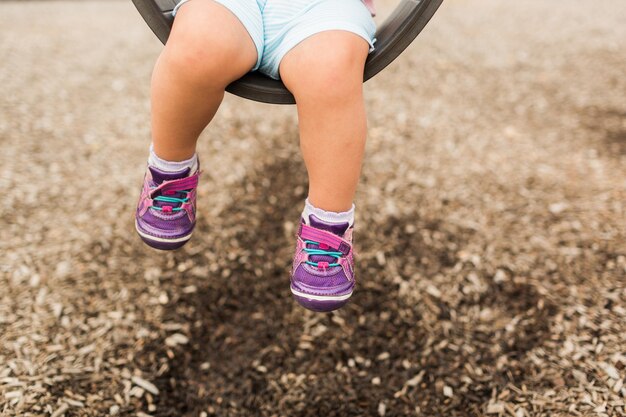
x,y
207,50
325,75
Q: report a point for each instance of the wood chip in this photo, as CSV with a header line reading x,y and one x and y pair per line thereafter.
x,y
176,339
610,370
382,409
60,411
495,408
148,386
416,379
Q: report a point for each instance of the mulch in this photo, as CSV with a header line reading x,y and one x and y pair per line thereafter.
x,y
491,230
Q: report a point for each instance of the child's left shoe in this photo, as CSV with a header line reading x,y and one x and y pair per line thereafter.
x,y
322,277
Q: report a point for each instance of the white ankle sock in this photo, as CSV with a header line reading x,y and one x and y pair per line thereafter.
x,y
172,166
327,216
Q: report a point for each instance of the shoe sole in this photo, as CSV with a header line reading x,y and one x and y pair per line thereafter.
x,y
320,303
160,242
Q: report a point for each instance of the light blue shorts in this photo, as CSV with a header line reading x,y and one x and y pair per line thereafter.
x,y
276,26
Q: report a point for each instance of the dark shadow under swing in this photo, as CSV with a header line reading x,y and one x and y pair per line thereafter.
x,y
393,37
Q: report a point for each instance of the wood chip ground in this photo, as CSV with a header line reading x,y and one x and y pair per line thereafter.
x,y
491,229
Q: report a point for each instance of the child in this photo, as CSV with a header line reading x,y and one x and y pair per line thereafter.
x,y
318,48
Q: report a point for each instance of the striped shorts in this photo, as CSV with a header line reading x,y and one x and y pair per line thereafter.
x,y
276,26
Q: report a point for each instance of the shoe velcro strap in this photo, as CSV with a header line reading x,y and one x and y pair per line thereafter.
x,y
181,184
322,236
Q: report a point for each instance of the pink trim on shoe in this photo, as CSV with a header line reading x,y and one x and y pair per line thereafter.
x,y
190,182
346,264
323,237
188,207
145,200
301,255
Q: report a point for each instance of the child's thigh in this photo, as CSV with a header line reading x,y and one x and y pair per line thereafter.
x,y
233,27
290,23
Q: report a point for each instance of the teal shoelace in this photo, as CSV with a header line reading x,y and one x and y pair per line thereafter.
x,y
165,199
316,251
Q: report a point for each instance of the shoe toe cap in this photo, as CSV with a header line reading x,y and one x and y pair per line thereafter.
x,y
329,283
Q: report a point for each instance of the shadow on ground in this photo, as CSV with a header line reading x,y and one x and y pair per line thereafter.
x,y
252,351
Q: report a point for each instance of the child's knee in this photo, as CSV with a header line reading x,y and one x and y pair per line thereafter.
x,y
331,71
207,49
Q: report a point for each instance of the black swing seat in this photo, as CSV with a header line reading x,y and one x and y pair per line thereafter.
x,y
392,37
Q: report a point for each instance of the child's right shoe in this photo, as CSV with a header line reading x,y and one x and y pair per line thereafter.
x,y
166,212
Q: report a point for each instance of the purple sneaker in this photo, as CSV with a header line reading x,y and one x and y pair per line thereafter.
x,y
322,277
166,212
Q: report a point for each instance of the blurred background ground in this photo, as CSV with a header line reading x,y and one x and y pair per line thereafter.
x,y
491,229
